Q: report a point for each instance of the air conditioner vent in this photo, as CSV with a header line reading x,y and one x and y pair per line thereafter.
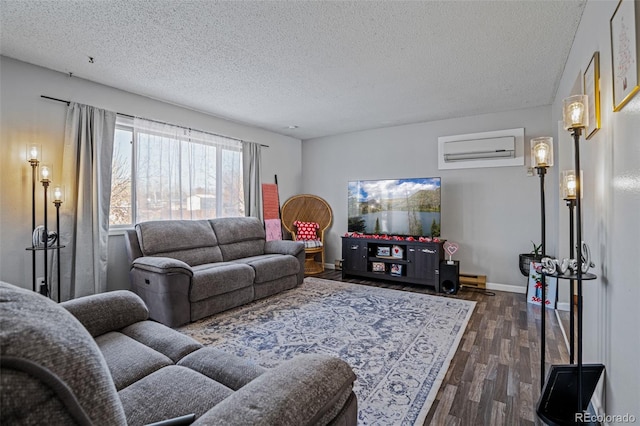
x,y
489,149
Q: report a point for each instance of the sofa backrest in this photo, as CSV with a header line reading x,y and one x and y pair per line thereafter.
x,y
191,241
52,369
239,237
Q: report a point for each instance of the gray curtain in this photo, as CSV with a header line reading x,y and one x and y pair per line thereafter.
x,y
86,174
251,169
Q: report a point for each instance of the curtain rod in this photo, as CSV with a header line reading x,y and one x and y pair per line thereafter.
x,y
157,121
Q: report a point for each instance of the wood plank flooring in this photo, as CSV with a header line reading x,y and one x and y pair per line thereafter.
x,y
494,377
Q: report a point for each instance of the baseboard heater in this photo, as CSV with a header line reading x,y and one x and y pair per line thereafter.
x,y
471,280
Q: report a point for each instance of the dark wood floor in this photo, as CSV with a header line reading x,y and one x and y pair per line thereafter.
x,y
494,377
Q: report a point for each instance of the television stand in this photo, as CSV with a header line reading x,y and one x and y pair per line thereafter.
x,y
411,262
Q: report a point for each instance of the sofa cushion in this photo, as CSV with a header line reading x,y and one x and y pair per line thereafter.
x,y
269,267
191,241
239,237
129,360
170,392
163,339
219,278
223,367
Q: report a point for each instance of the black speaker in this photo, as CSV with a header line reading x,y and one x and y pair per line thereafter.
x,y
449,276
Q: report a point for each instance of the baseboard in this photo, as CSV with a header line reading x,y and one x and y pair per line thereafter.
x,y
507,287
563,306
329,266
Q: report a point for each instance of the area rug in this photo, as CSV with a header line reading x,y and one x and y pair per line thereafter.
x,y
398,343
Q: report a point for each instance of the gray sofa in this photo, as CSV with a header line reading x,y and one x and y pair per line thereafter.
x,y
186,270
100,361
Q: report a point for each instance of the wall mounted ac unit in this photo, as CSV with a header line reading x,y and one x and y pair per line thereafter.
x,y
488,149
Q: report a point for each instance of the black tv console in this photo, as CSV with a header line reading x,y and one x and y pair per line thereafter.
x,y
404,261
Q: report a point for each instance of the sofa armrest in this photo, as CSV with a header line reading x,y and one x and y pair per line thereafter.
x,y
307,390
162,265
284,247
104,312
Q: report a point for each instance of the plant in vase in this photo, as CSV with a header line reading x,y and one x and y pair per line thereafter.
x,y
535,255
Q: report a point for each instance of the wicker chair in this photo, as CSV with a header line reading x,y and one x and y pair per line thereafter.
x,y
308,208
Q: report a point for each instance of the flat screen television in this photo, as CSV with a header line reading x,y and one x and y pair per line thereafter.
x,y
404,207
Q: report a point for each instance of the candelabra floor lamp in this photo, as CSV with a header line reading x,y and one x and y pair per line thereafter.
x,y
568,389
43,240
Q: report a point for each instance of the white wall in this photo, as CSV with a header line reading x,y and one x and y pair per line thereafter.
x,y
26,118
492,213
611,205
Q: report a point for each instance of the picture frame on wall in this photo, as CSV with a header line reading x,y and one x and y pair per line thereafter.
x,y
624,52
591,85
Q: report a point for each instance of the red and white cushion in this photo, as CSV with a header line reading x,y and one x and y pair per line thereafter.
x,y
306,231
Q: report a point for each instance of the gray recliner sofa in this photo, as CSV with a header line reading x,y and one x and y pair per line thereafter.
x,y
186,270
97,360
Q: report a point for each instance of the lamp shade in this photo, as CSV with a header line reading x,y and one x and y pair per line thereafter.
x,y
542,152
33,152
569,184
575,112
58,194
45,173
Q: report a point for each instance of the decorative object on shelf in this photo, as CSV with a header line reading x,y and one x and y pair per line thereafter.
x,y
391,237
383,251
568,389
397,252
40,238
591,85
624,52
535,291
450,248
377,266
396,270
525,259
556,266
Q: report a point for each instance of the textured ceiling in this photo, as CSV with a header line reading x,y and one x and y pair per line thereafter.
x,y
328,67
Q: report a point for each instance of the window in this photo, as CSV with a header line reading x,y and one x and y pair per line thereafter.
x,y
162,172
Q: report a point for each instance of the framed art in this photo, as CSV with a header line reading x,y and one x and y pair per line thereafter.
x,y
396,270
624,52
377,266
591,85
383,251
534,290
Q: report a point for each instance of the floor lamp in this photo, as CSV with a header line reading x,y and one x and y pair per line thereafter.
x,y
541,160
568,388
42,239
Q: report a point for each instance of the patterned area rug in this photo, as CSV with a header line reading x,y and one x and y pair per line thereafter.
x,y
398,343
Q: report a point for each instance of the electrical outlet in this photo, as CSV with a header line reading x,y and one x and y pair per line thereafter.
x,y
530,171
40,281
